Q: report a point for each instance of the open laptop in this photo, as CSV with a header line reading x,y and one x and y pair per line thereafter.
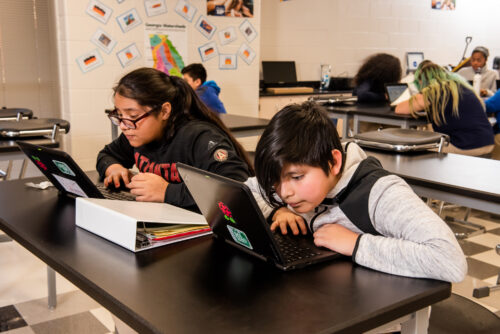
x,y
234,216
397,92
66,175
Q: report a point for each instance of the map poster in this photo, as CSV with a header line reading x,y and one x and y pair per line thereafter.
x,y
165,47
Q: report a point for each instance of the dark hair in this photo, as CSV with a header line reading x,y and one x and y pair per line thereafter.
x,y
297,134
150,87
195,71
379,69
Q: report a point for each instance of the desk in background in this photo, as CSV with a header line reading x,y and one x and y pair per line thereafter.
x,y
204,285
373,114
460,179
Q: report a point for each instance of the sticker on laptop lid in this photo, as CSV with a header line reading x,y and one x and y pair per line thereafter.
x,y
70,186
228,215
239,237
63,167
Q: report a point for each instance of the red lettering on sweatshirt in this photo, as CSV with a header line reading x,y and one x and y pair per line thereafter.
x,y
166,170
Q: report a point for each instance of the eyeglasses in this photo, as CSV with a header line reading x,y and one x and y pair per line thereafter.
x,y
129,123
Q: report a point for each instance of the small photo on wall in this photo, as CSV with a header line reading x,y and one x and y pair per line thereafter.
x,y
231,8
227,35
129,20
128,55
103,40
246,53
248,30
227,61
99,11
206,28
89,61
155,7
185,9
208,51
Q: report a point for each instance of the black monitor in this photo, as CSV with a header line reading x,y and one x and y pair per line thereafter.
x,y
278,72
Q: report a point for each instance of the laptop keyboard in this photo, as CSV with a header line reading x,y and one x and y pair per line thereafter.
x,y
113,194
292,249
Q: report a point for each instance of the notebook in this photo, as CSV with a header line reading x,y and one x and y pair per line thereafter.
x,y
233,215
66,175
397,92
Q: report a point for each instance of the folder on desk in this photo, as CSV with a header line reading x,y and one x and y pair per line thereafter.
x,y
138,225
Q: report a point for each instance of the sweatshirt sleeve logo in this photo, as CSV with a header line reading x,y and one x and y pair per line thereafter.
x,y
220,155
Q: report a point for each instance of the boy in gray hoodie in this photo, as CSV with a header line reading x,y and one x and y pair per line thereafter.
x,y
308,183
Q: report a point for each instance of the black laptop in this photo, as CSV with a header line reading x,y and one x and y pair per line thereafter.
x,y
394,91
66,175
233,215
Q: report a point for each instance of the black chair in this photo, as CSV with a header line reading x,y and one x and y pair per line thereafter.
x,y
496,63
486,290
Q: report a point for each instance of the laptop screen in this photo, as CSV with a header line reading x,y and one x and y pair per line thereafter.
x,y
279,72
395,90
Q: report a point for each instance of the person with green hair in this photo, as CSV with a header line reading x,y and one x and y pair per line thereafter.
x,y
452,107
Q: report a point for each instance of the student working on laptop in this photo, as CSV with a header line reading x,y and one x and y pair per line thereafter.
x,y
453,108
163,122
352,205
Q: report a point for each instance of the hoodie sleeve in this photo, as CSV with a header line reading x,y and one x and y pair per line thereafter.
x,y
415,242
118,151
212,151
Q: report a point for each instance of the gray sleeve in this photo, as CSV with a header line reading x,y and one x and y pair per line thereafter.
x,y
415,242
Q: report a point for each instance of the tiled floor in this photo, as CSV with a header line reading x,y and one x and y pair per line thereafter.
x,y
23,286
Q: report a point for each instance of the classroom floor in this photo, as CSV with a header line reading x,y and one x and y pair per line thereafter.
x,y
23,286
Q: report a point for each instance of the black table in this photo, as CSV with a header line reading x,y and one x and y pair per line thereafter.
x,y
371,113
204,285
464,180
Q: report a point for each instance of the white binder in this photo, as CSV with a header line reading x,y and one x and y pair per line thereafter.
x,y
119,221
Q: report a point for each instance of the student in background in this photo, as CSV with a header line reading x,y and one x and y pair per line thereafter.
x,y
478,65
452,107
307,182
376,71
493,107
208,91
163,122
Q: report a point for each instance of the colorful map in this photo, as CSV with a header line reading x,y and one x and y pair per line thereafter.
x,y
166,58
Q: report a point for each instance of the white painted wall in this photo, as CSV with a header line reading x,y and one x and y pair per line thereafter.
x,y
84,97
344,32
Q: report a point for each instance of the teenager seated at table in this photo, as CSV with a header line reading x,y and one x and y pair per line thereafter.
x,y
164,122
493,107
452,107
478,65
306,181
378,70
208,91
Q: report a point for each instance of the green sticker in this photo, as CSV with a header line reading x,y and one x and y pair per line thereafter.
x,y
63,167
239,237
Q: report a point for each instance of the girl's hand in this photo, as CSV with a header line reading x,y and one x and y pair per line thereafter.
x,y
337,238
148,187
284,217
115,173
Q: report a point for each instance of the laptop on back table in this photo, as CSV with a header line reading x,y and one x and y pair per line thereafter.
x,y
234,216
66,175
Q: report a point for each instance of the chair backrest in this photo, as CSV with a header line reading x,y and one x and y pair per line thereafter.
x,y
496,63
402,140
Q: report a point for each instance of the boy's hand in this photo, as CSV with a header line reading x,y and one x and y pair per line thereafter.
x,y
115,173
284,217
148,187
337,238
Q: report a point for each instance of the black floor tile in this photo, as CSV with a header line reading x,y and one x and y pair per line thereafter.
x,y
495,231
4,238
471,248
480,269
10,319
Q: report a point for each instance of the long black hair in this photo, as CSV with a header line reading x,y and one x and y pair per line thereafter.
x,y
297,134
151,87
379,69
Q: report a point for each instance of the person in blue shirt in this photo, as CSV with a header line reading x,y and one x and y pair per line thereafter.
x,y
493,107
208,91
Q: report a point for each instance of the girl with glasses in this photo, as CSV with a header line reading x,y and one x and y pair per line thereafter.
x,y
163,122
